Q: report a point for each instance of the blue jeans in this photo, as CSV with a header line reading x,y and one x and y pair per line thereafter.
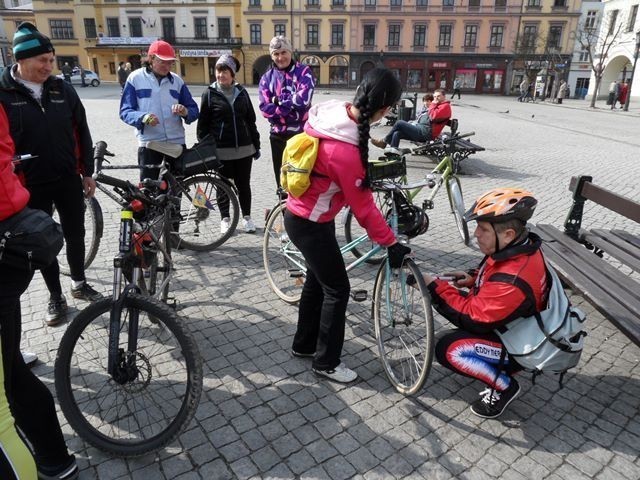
x,y
407,131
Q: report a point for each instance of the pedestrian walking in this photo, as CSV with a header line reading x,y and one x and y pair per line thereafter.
x,y
457,85
562,91
66,72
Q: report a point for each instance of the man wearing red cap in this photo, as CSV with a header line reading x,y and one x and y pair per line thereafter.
x,y
156,102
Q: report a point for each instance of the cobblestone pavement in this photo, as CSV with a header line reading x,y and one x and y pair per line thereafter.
x,y
263,414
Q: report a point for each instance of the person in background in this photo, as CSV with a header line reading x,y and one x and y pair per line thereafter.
x,y
122,75
83,76
624,91
428,127
66,72
457,85
481,301
23,396
524,89
226,112
285,94
562,91
48,120
157,103
343,130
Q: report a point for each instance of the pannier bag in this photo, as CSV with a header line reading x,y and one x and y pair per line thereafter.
x,y
550,341
30,239
200,158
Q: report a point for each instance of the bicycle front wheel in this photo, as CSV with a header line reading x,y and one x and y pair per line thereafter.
x,y
403,321
162,266
283,262
205,201
454,189
129,417
93,226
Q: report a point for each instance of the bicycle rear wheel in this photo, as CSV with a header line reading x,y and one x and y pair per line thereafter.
x,y
283,262
134,417
93,225
403,321
353,230
203,205
454,190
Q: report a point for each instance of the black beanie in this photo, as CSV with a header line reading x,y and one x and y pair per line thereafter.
x,y
29,42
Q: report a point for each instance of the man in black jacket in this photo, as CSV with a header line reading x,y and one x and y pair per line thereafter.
x,y
47,119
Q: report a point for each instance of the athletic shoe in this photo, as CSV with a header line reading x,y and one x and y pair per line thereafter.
x,y
86,292
29,358
302,355
493,403
340,374
56,310
378,142
248,225
225,225
392,150
67,471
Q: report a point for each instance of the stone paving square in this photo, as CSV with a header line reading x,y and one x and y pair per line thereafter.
x,y
263,414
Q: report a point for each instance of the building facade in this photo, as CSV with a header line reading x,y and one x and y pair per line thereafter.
x,y
428,44
580,72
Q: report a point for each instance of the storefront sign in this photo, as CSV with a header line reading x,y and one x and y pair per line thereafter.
x,y
439,64
479,65
203,53
126,40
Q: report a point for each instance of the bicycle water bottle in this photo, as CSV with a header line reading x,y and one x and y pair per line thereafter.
x,y
126,229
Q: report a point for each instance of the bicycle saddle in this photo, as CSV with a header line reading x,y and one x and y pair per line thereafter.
x,y
173,150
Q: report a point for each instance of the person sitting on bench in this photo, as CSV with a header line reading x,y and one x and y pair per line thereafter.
x,y
427,126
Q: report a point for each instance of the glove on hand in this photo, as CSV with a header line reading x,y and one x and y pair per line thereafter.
x,y
256,155
396,253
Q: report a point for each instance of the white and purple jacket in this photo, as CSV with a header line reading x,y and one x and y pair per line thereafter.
x,y
292,90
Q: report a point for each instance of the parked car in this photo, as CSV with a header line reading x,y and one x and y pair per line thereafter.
x,y
91,78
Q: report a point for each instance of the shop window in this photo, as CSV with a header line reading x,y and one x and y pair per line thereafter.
x,y
414,79
338,71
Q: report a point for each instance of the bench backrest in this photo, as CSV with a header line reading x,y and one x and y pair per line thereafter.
x,y
583,189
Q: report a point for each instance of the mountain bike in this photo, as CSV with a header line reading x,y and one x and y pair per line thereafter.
x,y
442,174
402,314
128,373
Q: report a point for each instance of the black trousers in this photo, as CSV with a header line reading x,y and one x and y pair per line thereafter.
x,y
67,195
278,142
30,401
325,294
240,172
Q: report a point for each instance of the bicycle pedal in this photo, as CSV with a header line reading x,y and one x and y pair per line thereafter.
x,y
359,295
295,273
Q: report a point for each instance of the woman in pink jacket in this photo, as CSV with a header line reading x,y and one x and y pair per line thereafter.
x,y
340,178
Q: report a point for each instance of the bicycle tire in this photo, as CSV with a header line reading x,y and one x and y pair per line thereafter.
x,y
353,230
283,262
161,264
94,227
200,225
403,320
456,201
85,389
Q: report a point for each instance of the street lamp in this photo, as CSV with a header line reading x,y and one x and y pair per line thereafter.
x,y
633,70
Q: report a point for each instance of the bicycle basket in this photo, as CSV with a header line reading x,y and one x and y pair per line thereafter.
x,y
383,168
200,158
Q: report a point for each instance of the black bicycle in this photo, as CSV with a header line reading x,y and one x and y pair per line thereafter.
x,y
128,373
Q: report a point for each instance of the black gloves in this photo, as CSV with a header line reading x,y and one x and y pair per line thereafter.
x,y
396,253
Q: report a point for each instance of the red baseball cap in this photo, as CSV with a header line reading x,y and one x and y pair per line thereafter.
x,y
162,50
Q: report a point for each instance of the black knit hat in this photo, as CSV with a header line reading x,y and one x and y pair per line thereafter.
x,y
29,42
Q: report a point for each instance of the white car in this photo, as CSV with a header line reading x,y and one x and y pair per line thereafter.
x,y
91,78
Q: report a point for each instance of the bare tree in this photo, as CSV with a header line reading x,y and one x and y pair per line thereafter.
x,y
596,41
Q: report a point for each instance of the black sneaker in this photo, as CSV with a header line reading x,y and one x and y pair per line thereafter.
x,y
86,292
493,403
56,310
302,355
66,471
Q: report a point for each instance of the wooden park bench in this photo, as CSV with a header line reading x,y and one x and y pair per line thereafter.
x,y
609,288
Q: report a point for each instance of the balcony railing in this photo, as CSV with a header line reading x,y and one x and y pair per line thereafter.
x,y
212,41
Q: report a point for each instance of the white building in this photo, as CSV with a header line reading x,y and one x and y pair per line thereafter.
x,y
580,71
618,64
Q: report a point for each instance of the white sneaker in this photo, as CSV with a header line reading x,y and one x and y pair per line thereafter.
x,y
249,226
340,374
29,357
225,225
